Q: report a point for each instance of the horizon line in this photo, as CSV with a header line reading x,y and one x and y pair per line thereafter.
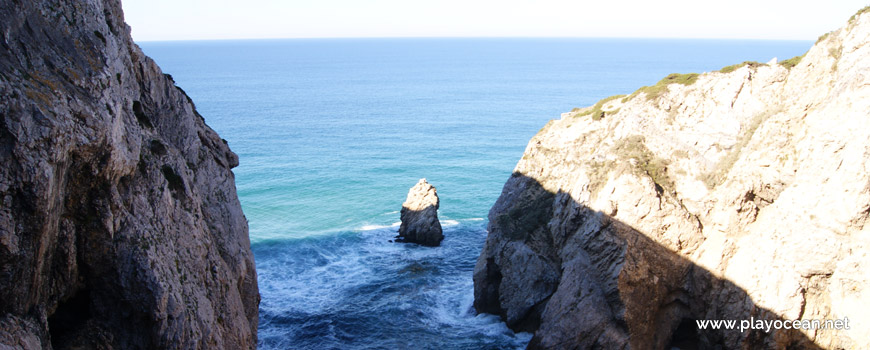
x,y
461,37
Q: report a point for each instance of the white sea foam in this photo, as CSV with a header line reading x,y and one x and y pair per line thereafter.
x,y
313,277
444,223
449,222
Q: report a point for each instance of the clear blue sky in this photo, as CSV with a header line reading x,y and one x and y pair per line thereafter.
x,y
234,19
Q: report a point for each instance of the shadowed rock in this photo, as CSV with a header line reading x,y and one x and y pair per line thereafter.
x,y
120,227
579,278
732,195
420,216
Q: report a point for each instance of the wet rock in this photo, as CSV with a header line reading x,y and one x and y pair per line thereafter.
x,y
420,216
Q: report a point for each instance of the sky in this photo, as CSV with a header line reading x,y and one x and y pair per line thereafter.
x,y
158,20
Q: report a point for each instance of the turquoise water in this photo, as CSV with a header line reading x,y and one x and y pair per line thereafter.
x,y
332,133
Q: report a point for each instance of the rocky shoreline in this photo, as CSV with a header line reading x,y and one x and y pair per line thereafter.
x,y
736,194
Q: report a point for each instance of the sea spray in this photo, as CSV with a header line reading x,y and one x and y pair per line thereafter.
x,y
355,290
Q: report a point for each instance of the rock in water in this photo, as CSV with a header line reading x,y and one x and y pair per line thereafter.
x,y
420,216
120,227
738,194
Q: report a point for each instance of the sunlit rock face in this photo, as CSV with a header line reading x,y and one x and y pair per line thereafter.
x,y
737,194
420,216
119,221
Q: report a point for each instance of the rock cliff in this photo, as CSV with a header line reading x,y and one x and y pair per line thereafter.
x,y
420,216
737,194
119,222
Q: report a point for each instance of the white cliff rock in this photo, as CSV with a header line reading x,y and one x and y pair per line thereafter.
x,y
726,195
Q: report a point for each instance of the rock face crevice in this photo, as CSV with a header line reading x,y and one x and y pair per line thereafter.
x,y
120,226
734,194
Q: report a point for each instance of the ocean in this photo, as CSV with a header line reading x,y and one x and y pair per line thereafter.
x,y
331,134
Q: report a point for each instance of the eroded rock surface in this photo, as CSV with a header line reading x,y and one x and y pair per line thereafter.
x,y
420,216
728,195
119,221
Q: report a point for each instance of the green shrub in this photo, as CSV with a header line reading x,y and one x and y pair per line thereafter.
x,y
677,78
596,110
657,90
680,153
823,37
860,12
791,62
733,67
648,163
835,52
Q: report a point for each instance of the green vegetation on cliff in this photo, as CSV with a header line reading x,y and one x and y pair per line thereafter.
x,y
860,12
733,67
646,161
655,91
791,62
596,111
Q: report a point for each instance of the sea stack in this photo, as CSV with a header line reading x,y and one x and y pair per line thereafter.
x,y
420,216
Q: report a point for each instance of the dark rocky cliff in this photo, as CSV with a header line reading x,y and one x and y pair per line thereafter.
x,y
738,194
119,221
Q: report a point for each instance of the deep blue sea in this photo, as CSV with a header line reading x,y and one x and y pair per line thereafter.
x,y
331,134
